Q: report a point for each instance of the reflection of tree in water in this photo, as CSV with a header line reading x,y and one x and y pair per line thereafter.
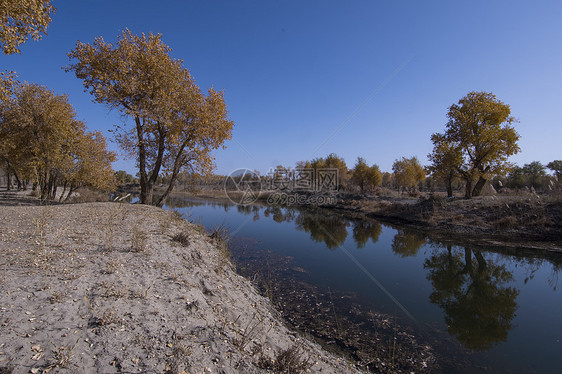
x,y
326,228
331,230
473,294
407,243
174,202
279,214
249,209
363,231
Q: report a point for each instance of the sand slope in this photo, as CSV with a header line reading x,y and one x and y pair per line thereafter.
x,y
104,288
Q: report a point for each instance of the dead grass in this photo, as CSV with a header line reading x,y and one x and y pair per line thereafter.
x,y
221,238
85,195
290,361
62,356
112,265
107,317
57,297
112,290
181,238
138,239
507,222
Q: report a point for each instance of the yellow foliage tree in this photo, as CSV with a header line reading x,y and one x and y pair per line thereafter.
x,y
408,172
445,160
481,135
175,126
22,19
332,161
43,142
365,176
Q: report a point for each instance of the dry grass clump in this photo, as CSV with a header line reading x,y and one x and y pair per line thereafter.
x,y
221,239
138,239
507,222
112,290
62,356
181,238
178,360
107,317
57,297
85,195
112,265
288,361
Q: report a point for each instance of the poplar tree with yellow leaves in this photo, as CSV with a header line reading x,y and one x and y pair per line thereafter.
x,y
408,172
20,20
43,142
365,176
175,126
477,142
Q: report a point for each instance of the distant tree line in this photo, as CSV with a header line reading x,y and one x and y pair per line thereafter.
x,y
407,174
471,153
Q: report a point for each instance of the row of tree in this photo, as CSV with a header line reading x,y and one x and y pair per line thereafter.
x,y
473,151
532,176
43,142
409,175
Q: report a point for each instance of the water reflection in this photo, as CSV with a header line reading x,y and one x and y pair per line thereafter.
x,y
279,214
329,229
363,231
407,243
473,293
178,202
248,210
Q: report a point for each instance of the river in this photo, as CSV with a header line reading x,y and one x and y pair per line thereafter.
x,y
391,297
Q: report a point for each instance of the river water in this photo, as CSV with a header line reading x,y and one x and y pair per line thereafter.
x,y
366,288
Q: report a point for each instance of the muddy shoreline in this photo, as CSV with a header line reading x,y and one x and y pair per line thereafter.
x,y
344,324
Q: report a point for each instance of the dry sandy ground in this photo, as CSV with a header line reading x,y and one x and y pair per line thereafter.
x,y
105,288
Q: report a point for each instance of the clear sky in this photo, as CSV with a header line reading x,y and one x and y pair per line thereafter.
x,y
303,78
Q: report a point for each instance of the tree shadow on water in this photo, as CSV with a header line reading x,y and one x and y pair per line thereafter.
x,y
474,295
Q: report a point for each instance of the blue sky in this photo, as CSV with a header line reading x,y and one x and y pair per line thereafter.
x,y
306,78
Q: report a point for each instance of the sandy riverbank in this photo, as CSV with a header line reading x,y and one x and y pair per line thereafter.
x,y
107,287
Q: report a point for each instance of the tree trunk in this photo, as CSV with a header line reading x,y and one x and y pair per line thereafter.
x,y
479,186
482,264
145,188
18,181
179,160
43,185
70,192
63,191
8,179
158,164
468,188
468,261
147,182
163,198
